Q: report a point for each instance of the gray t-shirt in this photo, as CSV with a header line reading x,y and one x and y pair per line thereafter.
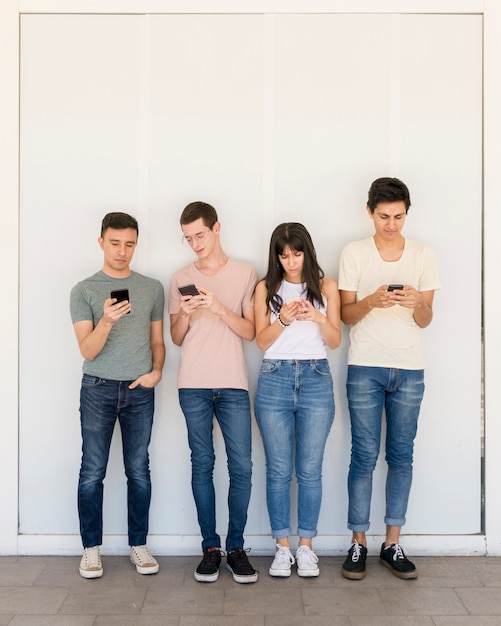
x,y
127,352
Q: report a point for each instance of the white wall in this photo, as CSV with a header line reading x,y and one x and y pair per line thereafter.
x,y
270,118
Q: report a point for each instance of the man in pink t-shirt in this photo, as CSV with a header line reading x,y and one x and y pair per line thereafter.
x,y
211,311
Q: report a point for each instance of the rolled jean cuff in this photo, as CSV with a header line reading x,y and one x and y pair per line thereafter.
x,y
281,534
392,521
358,528
306,534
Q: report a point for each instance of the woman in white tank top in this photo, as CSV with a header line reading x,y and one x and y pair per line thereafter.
x,y
297,316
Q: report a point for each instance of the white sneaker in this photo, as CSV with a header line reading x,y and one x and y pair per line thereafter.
x,y
307,562
282,562
90,565
142,559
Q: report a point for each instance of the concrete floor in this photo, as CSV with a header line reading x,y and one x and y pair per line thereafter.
x,y
48,591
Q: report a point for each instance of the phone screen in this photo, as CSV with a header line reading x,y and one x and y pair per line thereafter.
x,y
188,290
121,295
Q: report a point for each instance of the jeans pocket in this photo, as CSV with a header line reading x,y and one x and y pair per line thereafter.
x,y
269,366
92,381
322,367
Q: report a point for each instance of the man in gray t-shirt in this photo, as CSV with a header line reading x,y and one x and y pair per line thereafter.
x,y
117,315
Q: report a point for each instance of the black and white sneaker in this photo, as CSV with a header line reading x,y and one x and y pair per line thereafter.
x,y
208,568
354,564
238,564
393,558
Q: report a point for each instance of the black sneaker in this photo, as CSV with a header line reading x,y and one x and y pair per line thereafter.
x,y
393,558
238,564
208,569
354,564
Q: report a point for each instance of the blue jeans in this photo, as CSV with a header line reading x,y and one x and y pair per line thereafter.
x,y
101,403
231,408
399,392
294,398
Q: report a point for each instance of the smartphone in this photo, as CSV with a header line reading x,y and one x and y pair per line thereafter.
x,y
121,295
188,290
293,299
393,287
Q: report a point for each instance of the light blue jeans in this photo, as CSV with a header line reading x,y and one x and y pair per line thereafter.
x,y
399,392
231,407
294,399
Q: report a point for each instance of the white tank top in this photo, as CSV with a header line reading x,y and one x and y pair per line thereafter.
x,y
300,340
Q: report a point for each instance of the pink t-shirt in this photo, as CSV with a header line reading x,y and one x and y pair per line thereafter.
x,y
212,355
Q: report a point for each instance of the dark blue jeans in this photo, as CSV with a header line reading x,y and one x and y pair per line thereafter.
x,y
232,410
101,403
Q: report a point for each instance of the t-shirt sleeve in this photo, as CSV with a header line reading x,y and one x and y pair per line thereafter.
x,y
157,313
174,296
348,273
80,308
430,279
248,299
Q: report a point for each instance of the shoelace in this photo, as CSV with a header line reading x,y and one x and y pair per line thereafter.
x,y
398,552
143,555
92,557
284,556
241,556
357,551
212,557
307,556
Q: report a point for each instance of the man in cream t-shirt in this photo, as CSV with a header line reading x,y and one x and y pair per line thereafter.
x,y
209,326
387,283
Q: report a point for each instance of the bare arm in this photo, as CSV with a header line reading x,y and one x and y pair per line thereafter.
x,y
266,333
420,301
329,324
241,325
408,297
353,311
91,340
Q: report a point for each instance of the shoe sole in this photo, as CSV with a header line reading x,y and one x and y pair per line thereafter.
x,y
92,574
404,575
238,578
206,578
146,570
308,573
353,575
279,573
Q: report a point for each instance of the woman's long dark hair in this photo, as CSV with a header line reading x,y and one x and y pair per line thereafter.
x,y
298,239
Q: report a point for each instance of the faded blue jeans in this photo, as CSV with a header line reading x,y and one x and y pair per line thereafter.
x,y
102,402
294,400
231,407
399,392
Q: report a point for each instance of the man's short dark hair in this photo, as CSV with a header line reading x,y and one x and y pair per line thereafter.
x,y
197,210
388,190
119,221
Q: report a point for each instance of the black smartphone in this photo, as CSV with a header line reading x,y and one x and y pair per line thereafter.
x,y
188,290
393,287
121,295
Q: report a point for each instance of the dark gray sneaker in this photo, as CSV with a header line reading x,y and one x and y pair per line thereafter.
x,y
238,564
393,558
208,568
354,564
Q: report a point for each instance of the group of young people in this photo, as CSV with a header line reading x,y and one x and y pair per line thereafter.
x,y
385,294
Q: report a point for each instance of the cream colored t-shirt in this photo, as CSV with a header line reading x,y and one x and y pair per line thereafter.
x,y
387,337
212,355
